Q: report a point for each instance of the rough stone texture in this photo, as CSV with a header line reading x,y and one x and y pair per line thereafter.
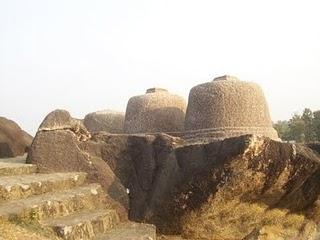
x,y
59,146
107,120
189,189
7,168
60,206
54,204
156,111
19,187
314,146
228,107
17,231
167,237
61,120
114,150
131,231
13,140
83,225
60,203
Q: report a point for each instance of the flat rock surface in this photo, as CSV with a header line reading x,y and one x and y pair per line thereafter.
x,y
130,231
163,237
18,159
22,186
79,217
9,181
17,207
8,169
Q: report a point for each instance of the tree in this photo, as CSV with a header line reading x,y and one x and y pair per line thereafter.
x,y
316,124
283,130
309,132
297,128
300,128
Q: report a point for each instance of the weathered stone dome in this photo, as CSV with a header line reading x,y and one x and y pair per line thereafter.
x,y
156,111
106,120
229,107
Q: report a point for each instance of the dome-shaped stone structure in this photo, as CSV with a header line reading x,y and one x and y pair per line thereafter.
x,y
228,107
156,111
105,120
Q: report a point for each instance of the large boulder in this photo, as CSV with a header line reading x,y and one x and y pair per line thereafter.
x,y
107,120
13,140
61,145
266,188
245,187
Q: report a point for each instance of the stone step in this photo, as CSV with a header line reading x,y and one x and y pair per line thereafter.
x,y
170,237
12,169
18,159
22,186
130,231
83,225
54,204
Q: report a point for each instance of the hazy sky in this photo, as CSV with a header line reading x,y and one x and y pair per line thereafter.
x,y
85,56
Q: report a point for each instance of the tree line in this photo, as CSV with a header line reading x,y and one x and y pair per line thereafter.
x,y
303,128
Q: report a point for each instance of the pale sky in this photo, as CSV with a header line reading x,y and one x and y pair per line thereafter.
x,y
85,56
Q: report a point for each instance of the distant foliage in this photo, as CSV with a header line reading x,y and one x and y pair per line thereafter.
x,y
300,128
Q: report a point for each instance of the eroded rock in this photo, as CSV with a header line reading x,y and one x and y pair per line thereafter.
x,y
59,146
61,120
246,187
222,189
314,146
13,140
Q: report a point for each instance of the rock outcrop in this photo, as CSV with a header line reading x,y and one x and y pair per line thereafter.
x,y
246,187
238,188
107,120
59,146
13,140
228,107
314,146
156,111
189,189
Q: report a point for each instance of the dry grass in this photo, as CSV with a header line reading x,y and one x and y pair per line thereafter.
x,y
24,231
235,220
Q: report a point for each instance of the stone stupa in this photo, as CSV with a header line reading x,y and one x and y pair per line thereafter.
x,y
105,120
156,111
227,107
